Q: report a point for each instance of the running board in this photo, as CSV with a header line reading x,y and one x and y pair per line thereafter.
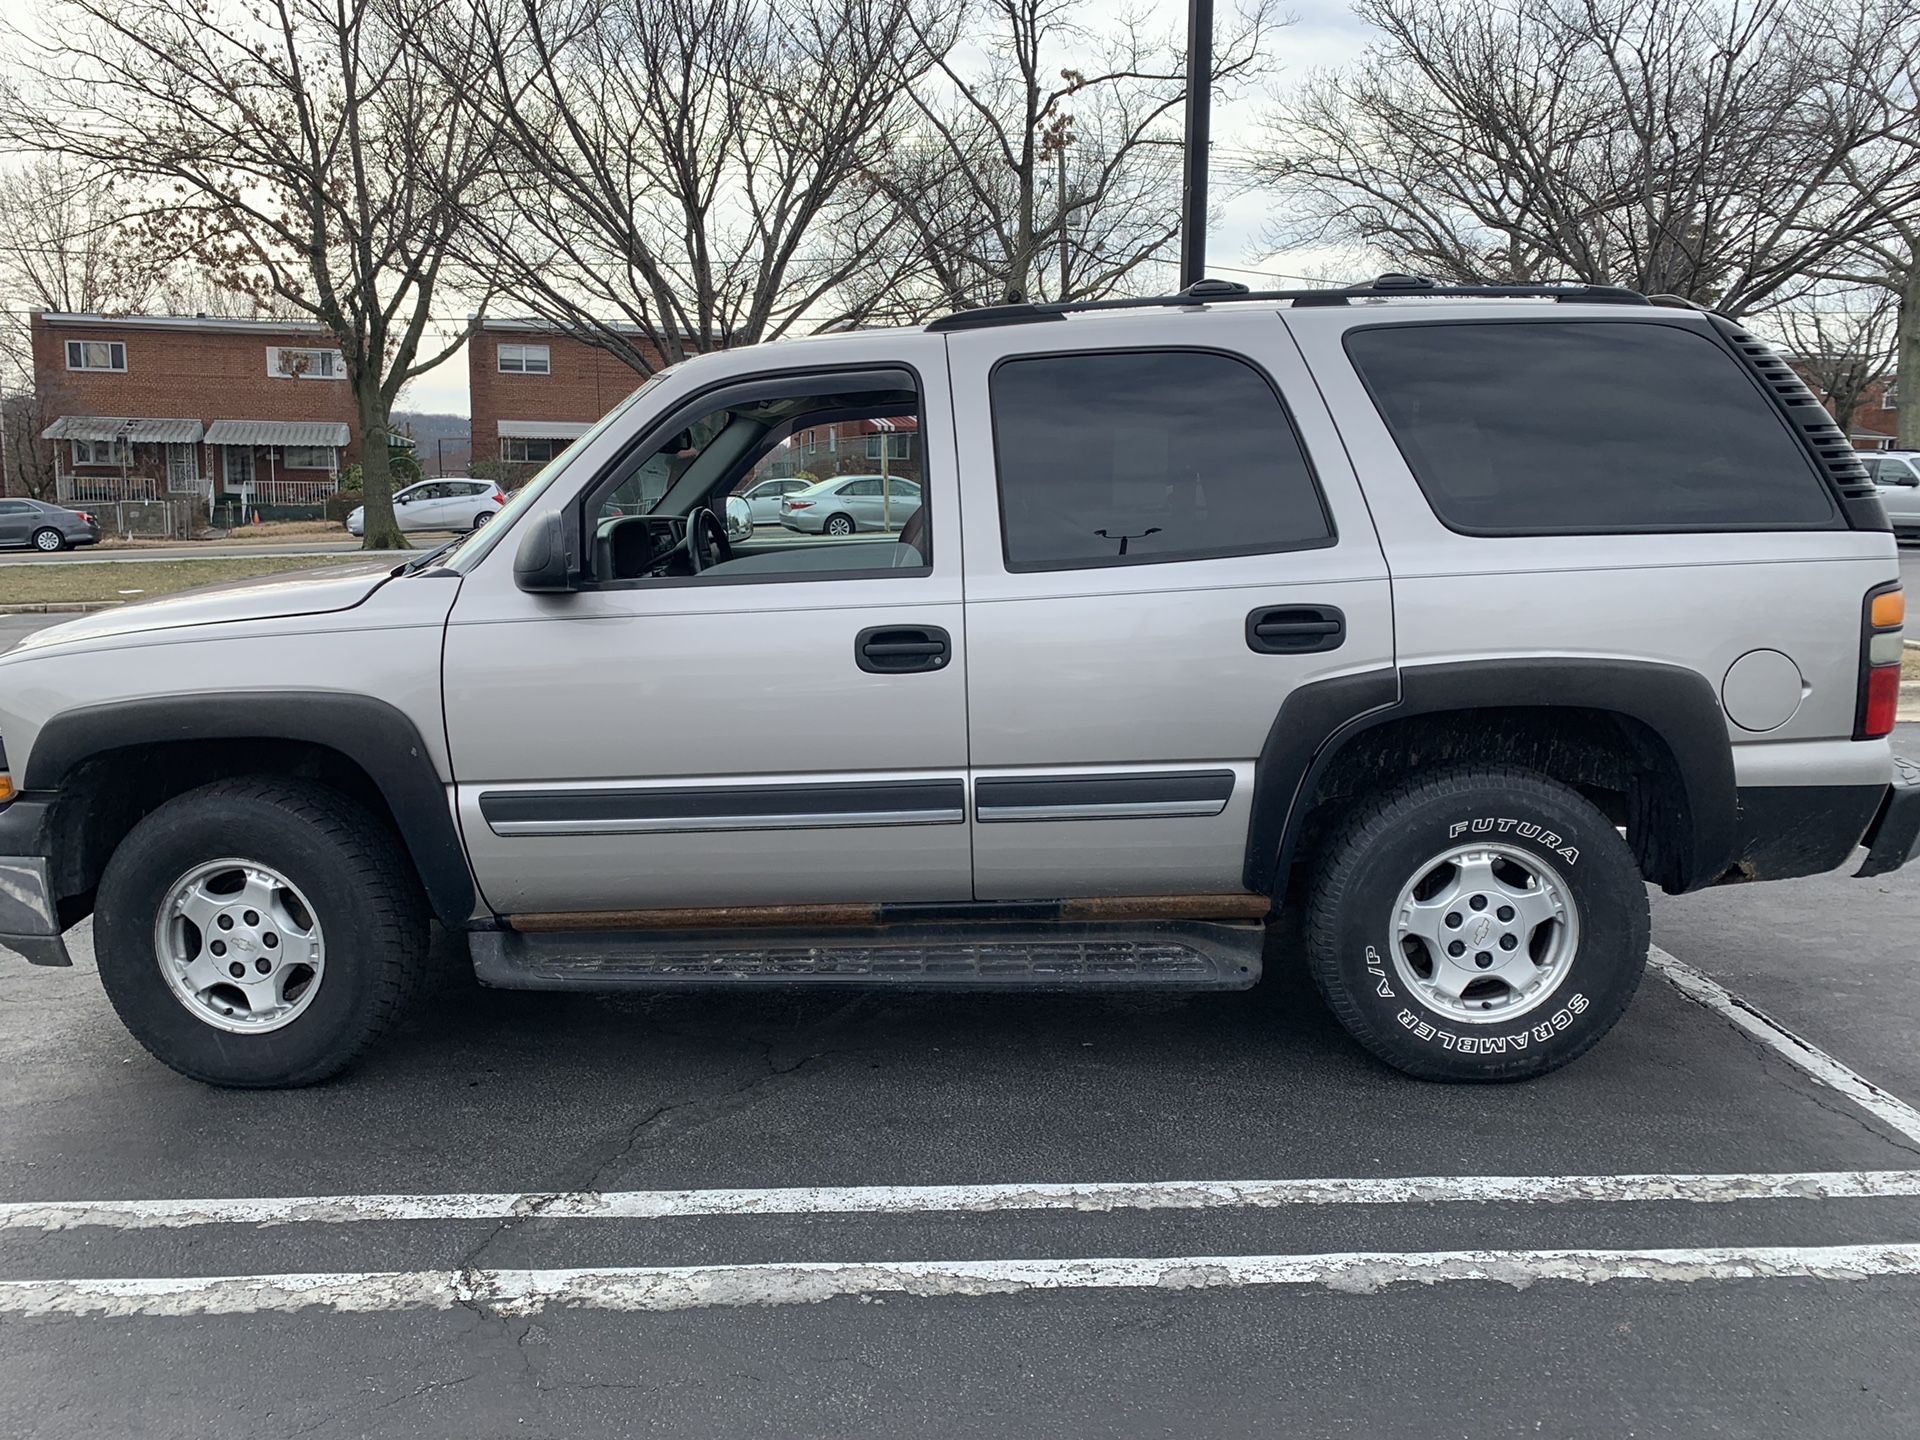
x,y
954,955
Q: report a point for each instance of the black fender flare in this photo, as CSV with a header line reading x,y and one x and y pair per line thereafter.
x,y
1678,705
374,735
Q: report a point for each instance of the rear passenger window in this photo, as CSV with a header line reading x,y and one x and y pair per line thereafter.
x,y
1543,427
1142,457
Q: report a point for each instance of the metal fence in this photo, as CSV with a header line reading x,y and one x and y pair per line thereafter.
x,y
106,489
288,493
176,519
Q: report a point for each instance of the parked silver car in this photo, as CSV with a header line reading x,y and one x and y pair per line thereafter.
x,y
44,526
763,500
1897,474
847,504
452,503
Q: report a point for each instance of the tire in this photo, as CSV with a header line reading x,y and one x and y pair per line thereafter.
x,y
481,519
1551,995
49,540
838,525
345,867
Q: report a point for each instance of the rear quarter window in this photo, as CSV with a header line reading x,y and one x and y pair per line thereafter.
x,y
1583,427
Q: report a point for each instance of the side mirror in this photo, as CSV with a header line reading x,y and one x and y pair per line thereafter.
x,y
739,517
543,564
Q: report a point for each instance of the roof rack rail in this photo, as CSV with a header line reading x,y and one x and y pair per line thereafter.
x,y
1208,292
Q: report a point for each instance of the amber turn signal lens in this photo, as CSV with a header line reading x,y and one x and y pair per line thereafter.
x,y
1888,610
6,787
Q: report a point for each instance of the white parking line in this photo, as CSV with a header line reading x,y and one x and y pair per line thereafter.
x,y
1094,1196
692,1287
1760,1026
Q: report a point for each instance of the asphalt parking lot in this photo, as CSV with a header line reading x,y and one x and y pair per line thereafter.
x,y
928,1248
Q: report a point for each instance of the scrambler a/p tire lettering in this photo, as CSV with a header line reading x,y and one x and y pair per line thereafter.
x,y
1477,924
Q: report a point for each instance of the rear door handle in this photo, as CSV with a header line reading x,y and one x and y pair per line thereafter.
x,y
902,649
1295,629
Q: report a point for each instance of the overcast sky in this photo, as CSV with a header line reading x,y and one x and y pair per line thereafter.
x,y
1324,33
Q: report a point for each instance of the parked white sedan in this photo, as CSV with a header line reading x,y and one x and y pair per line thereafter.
x,y
454,503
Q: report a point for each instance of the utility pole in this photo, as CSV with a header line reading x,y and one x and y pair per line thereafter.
x,y
1193,192
1066,273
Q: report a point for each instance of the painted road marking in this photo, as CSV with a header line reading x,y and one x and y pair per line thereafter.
x,y
693,1287
1762,1027
967,1199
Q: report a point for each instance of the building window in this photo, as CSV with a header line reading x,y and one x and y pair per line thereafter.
x,y
99,452
525,360
1890,398
529,451
897,448
309,457
96,355
813,445
286,362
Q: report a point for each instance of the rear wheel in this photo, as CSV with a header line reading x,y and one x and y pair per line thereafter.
x,y
259,932
49,540
1477,924
481,519
839,525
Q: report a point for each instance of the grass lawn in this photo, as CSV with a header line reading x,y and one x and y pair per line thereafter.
x,y
138,580
273,532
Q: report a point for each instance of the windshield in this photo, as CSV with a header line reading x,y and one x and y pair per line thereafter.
x,y
523,498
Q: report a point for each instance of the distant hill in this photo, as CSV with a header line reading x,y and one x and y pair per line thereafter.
x,y
438,439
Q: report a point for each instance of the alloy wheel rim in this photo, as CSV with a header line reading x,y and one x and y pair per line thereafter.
x,y
240,946
1484,933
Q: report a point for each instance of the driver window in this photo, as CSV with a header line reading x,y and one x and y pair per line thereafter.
x,y
775,487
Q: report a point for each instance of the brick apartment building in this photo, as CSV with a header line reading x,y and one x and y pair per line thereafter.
x,y
147,407
1874,421
854,447
534,389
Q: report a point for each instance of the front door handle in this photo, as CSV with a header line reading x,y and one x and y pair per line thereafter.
x,y
902,649
1295,629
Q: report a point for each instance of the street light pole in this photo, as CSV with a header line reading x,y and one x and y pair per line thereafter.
x,y
1193,190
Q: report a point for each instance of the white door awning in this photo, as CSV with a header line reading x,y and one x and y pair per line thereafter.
x,y
277,432
111,427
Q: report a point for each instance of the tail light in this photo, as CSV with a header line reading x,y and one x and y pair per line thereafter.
x,y
796,504
1880,636
84,516
499,497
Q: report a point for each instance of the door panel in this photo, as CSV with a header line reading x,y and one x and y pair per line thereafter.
x,y
696,744
1135,670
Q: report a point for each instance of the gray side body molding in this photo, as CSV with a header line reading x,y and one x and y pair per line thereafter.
x,y
374,735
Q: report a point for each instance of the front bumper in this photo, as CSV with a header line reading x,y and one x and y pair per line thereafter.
x,y
1894,836
28,921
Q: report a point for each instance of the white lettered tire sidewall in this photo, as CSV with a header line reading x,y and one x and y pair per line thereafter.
x,y
1386,842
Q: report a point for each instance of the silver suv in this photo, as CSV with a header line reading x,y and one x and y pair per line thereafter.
x,y
1449,620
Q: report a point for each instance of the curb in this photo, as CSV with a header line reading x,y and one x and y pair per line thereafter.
x,y
61,607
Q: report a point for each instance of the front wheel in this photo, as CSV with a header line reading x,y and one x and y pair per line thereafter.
x,y
259,932
48,541
1477,924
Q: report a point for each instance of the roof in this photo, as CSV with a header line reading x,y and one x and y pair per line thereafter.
x,y
234,323
109,427
277,432
543,429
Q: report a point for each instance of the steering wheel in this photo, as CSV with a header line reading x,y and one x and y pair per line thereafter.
x,y
706,541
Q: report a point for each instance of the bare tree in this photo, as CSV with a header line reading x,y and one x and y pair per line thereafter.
x,y
1048,166
1882,67
1841,342
308,152
1691,147
671,176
